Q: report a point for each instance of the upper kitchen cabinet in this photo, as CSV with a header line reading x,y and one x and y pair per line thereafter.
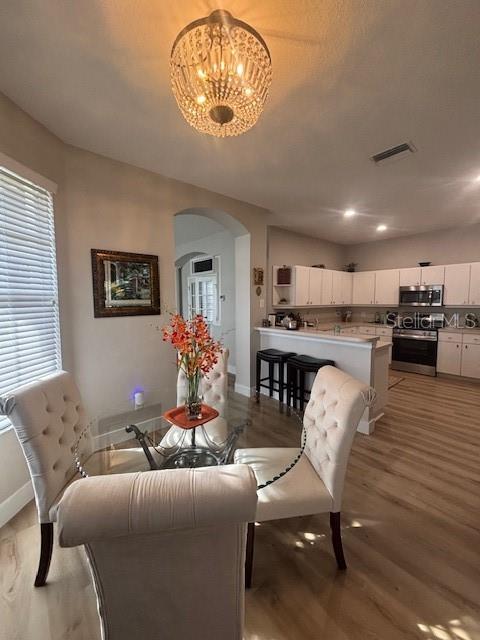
x,y
417,276
474,293
410,277
308,286
301,296
316,280
387,283
364,287
433,275
347,287
327,286
457,284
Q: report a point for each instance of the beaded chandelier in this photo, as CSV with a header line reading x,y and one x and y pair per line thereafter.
x,y
220,71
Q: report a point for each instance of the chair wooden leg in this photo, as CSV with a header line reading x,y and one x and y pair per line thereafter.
x,y
257,381
302,390
249,554
46,532
281,383
271,373
337,540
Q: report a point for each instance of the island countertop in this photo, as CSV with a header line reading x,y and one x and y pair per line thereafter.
x,y
365,358
324,335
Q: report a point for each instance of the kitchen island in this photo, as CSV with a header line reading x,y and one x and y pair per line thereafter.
x,y
364,358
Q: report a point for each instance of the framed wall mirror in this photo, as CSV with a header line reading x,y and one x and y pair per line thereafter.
x,y
124,284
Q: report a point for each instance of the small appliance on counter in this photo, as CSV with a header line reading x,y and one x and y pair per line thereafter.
x,y
292,322
279,318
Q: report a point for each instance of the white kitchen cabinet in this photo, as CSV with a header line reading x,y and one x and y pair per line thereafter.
x,y
457,284
315,288
433,275
387,283
384,331
308,286
474,292
363,287
327,286
410,277
337,287
302,286
347,284
449,357
470,360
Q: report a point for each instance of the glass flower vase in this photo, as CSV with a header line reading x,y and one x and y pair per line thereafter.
x,y
193,402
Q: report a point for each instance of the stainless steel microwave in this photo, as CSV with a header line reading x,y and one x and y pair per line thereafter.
x,y
430,295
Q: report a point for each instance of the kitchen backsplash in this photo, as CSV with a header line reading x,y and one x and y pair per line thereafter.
x,y
368,314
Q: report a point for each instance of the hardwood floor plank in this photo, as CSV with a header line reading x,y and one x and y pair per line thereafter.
x,y
411,530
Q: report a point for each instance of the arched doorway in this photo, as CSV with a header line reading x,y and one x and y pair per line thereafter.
x,y
202,233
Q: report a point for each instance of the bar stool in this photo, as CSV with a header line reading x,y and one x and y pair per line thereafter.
x,y
297,367
273,357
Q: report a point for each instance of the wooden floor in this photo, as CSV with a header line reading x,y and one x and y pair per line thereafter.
x,y
411,537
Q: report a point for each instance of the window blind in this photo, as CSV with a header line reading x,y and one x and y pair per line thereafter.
x,y
29,323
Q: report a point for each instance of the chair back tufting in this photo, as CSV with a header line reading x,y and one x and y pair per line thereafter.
x,y
213,386
48,418
331,417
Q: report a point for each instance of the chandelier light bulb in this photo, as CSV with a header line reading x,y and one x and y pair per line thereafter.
x,y
220,71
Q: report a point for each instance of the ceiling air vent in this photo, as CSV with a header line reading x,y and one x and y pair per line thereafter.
x,y
399,150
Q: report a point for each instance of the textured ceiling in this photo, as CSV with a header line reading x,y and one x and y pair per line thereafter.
x,y
351,77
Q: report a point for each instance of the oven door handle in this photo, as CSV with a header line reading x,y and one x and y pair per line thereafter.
x,y
424,338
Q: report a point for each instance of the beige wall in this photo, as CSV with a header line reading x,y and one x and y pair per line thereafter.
x,y
439,247
106,204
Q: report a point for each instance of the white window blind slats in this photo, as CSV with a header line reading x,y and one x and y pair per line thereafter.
x,y
29,213
26,258
29,324
19,242
25,338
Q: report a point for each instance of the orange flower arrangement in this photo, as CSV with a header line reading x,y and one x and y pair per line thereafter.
x,y
197,350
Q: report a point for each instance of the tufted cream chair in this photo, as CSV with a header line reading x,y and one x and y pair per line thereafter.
x,y
48,418
214,391
166,550
315,483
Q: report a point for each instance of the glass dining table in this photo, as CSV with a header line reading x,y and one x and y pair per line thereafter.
x,y
172,447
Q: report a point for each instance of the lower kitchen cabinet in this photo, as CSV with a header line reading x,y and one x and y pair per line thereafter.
x,y
458,354
449,357
470,361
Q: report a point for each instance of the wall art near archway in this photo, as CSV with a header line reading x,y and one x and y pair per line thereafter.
x,y
124,284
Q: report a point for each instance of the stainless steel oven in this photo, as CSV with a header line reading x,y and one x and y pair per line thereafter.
x,y
415,343
422,296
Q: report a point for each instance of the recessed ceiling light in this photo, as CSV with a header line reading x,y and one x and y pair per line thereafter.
x,y
477,179
382,227
349,213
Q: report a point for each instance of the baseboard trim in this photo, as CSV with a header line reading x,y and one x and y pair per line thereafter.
x,y
243,390
14,503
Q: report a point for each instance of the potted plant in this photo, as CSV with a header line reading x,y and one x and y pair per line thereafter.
x,y
350,267
197,355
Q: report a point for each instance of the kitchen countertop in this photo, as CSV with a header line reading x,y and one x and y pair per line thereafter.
x,y
476,330
325,334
